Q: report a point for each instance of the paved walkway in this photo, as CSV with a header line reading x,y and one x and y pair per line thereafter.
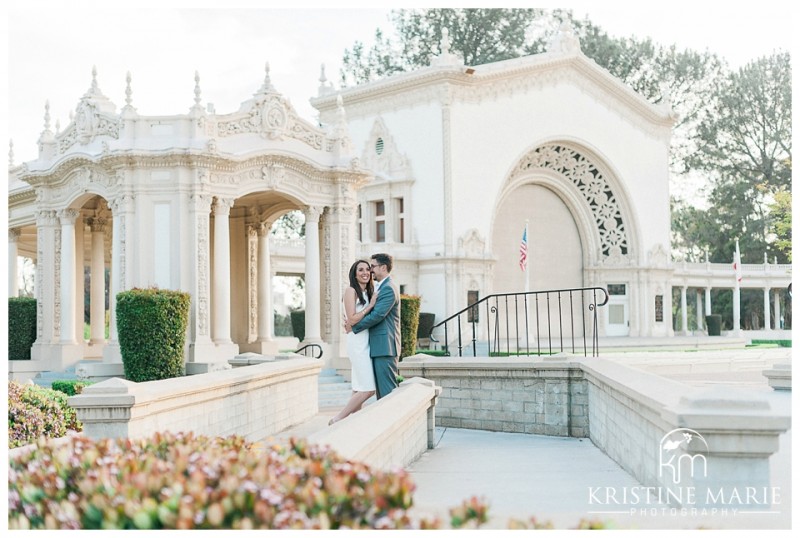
x,y
523,476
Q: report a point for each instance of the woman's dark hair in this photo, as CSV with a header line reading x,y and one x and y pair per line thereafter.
x,y
356,286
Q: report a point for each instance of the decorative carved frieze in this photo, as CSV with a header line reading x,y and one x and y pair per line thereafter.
x,y
593,187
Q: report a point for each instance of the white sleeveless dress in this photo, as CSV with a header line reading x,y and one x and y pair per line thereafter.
x,y
363,378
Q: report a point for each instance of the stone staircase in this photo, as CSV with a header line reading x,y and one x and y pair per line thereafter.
x,y
334,389
45,379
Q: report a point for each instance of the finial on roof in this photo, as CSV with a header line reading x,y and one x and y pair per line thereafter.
x,y
128,90
325,87
94,77
564,40
196,88
445,57
47,115
444,44
10,152
267,87
58,126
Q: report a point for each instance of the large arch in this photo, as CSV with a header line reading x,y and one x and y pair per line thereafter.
x,y
577,219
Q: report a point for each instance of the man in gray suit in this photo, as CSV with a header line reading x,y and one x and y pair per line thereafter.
x,y
383,322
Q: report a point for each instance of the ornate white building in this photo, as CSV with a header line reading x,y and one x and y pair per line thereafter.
x,y
441,167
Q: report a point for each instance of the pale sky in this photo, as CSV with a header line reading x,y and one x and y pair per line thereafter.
x,y
52,49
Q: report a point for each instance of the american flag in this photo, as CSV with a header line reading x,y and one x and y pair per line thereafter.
x,y
523,250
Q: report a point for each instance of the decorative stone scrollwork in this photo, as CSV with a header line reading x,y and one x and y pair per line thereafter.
x,y
272,116
382,155
273,174
592,185
472,244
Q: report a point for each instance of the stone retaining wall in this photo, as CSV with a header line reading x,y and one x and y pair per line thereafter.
x,y
253,402
390,433
638,418
513,394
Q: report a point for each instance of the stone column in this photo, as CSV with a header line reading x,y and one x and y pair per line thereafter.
x,y
708,301
221,329
766,309
80,288
200,344
47,269
67,218
777,306
684,313
121,207
13,285
313,275
97,285
699,310
265,314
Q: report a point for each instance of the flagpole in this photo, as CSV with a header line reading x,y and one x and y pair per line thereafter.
x,y
737,264
527,262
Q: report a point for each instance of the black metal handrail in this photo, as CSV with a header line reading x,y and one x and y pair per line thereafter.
x,y
313,347
507,338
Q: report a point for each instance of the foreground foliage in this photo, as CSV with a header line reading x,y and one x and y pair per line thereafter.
x,y
35,412
179,481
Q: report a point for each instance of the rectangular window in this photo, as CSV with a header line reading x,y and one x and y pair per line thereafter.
x,y
359,225
380,222
401,217
659,308
472,313
616,289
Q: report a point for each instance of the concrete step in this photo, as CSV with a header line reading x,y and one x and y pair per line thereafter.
x,y
45,379
334,389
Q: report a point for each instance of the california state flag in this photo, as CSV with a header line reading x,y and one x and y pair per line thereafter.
x,y
737,263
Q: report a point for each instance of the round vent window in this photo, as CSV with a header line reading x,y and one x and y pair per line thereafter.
x,y
379,146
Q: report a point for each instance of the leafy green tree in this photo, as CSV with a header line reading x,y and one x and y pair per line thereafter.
x,y
781,213
744,146
478,35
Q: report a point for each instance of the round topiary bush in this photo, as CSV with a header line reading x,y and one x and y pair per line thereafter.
x,y
152,332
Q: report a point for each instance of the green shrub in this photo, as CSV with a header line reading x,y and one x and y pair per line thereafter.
x,y
21,327
409,322
70,387
152,332
178,481
298,323
35,411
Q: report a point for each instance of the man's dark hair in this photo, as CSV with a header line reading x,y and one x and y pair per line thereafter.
x,y
384,259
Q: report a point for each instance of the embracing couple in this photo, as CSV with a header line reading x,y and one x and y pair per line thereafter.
x,y
372,323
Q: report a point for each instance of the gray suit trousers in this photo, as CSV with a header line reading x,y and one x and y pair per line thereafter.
x,y
385,375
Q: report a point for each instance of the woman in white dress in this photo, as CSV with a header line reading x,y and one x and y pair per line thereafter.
x,y
359,299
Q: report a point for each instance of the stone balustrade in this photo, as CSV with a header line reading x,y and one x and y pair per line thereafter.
x,y
252,401
392,432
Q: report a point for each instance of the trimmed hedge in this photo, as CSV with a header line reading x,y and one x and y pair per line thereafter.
x,y
35,412
409,322
298,318
70,387
152,332
21,327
